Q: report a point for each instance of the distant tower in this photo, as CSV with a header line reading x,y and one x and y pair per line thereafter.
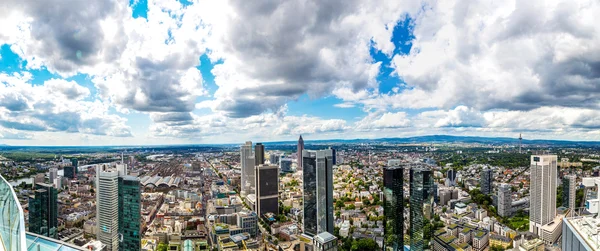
x,y
520,142
299,153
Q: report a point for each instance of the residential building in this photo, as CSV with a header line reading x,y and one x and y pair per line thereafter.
x,y
247,165
267,189
504,200
43,210
393,203
421,197
542,205
569,183
532,245
129,213
500,241
487,177
107,206
318,191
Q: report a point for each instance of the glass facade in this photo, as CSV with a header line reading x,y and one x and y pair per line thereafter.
x,y
487,176
318,191
393,202
71,171
43,210
12,225
309,183
421,205
129,213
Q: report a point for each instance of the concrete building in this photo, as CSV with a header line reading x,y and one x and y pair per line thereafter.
x,y
52,174
542,206
451,178
107,206
532,245
285,165
581,233
267,189
325,242
569,183
318,191
504,200
247,163
299,153
487,177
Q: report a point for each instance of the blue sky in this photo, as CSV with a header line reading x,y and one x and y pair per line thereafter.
x,y
153,72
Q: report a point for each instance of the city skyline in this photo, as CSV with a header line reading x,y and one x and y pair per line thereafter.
x,y
144,72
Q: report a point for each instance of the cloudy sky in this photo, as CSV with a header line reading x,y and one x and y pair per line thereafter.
x,y
112,72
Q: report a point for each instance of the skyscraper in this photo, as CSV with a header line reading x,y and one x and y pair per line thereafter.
x,y
318,191
451,177
504,200
71,171
421,205
52,173
334,156
259,154
43,210
107,206
487,177
267,189
542,207
129,213
393,202
569,191
247,165
299,152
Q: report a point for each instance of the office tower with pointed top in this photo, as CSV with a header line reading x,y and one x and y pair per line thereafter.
x,y
259,154
299,153
247,163
393,206
569,182
542,205
43,211
318,191
487,177
421,205
267,189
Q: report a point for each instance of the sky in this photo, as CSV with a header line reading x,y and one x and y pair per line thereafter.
x,y
139,72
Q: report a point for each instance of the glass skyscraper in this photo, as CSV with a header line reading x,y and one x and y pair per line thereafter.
x,y
129,213
487,176
43,210
71,171
318,191
393,202
421,199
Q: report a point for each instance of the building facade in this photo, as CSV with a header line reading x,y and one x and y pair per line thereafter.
x,y
129,213
43,211
267,189
299,153
71,171
318,191
504,200
421,199
569,183
259,154
393,202
542,205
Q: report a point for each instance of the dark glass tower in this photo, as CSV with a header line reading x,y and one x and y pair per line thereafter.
x,y
486,181
43,211
71,171
393,202
259,154
318,191
129,213
421,205
267,189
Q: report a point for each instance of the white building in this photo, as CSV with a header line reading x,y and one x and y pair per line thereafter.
x,y
542,207
107,206
247,163
504,200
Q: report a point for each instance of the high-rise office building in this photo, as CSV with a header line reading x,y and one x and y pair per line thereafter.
x,y
451,178
393,207
52,174
421,205
259,154
71,171
299,152
504,200
247,165
318,191
43,211
542,204
107,206
334,156
129,213
274,158
267,189
569,191
487,177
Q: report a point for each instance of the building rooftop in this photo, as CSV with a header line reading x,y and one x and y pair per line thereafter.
x,y
588,228
325,237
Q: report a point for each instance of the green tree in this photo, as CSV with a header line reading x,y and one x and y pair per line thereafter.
x,y
161,247
364,245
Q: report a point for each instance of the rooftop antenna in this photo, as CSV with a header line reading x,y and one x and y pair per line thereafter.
x,y
520,142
